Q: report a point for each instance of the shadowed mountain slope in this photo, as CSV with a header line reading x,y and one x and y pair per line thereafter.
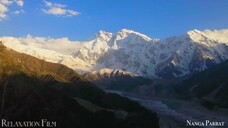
x,y
210,85
32,89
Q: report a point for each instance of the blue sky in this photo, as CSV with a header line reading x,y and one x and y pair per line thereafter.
x,y
81,19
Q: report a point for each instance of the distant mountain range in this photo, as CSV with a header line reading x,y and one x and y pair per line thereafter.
x,y
132,51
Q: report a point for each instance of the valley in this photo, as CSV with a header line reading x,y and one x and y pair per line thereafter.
x,y
174,113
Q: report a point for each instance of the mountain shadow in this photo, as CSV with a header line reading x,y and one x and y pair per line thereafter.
x,y
210,86
32,89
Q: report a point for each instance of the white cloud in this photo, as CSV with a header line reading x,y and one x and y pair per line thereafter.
x,y
6,2
55,11
19,2
60,45
18,12
10,2
50,4
5,8
58,9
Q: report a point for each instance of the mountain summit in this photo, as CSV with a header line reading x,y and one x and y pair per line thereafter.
x,y
137,53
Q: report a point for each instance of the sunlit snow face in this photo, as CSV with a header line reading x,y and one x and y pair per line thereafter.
x,y
130,51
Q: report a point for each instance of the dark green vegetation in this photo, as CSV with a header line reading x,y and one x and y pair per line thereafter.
x,y
210,86
32,89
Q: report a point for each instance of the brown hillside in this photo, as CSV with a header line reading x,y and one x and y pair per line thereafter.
x,y
13,62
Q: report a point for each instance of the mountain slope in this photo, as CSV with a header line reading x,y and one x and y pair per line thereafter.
x,y
169,58
136,53
44,53
210,85
109,79
12,63
32,89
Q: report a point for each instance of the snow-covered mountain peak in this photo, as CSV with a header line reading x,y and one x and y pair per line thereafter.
x,y
200,37
218,35
104,35
195,33
127,31
123,33
208,37
127,38
131,51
